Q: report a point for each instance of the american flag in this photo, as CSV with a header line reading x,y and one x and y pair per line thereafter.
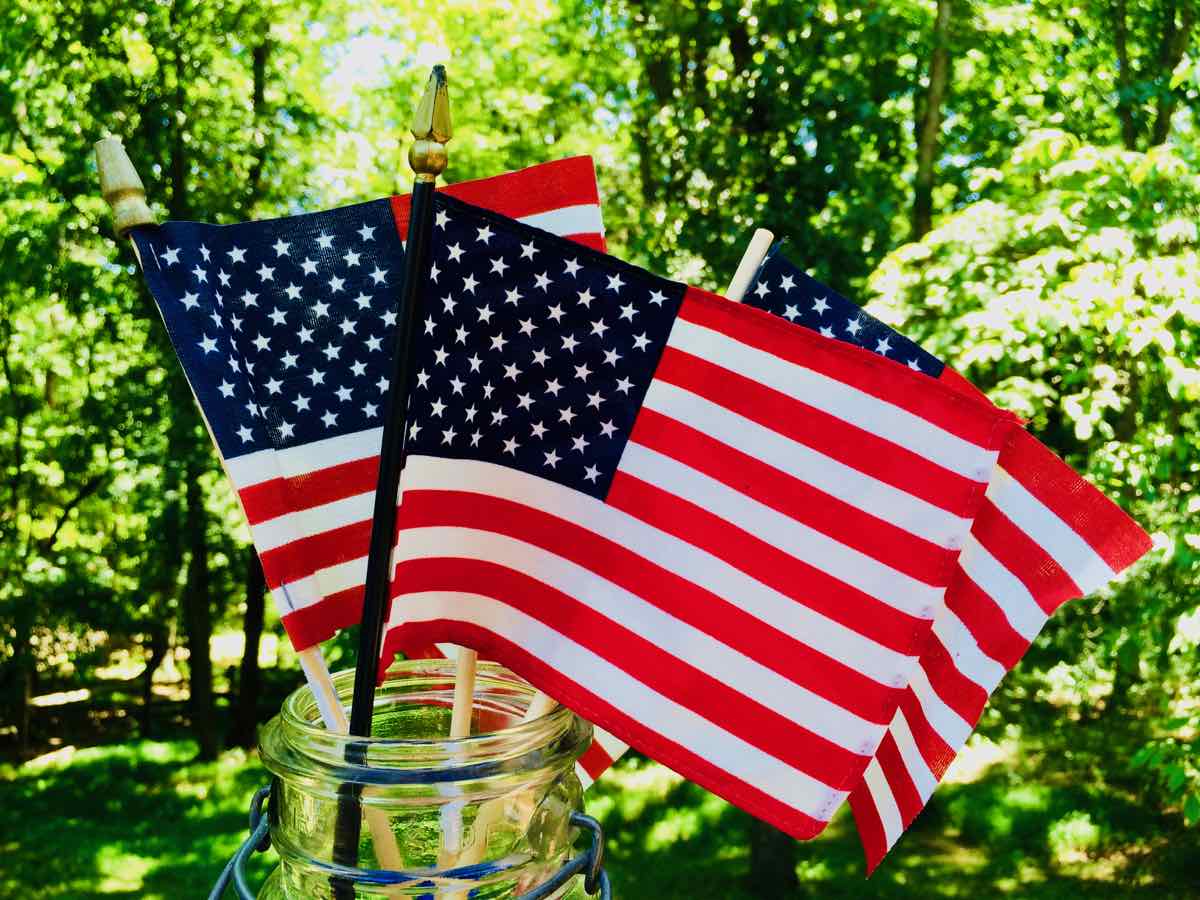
x,y
285,330
718,535
1043,536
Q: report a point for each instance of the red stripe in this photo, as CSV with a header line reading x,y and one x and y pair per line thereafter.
x,y
318,622
958,691
937,753
1025,558
986,621
753,722
868,453
781,652
1106,528
796,499
526,192
807,585
908,799
315,552
279,496
974,420
870,827
595,760
592,707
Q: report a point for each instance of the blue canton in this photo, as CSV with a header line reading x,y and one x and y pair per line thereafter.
x,y
783,289
284,327
534,352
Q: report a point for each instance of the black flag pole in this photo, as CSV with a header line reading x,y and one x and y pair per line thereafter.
x,y
428,158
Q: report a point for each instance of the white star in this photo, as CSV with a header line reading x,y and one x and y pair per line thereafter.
x,y
578,443
474,362
289,360
552,458
301,402
460,335
343,394
370,410
382,385
470,413
273,385
367,232
434,272
787,283
250,298
200,274
262,342
457,385
441,218
332,351
321,308
540,357
498,341
591,473
351,258
448,435
286,429
641,342
245,433
224,278
359,369
205,252
441,355
226,389
362,300
566,414
309,267
615,283
511,371
628,312
171,255
572,267
524,401
413,429
281,247
820,305
538,430
317,377
336,284
347,326
657,298
208,345
555,312
594,400
512,296
236,322
469,284
527,250
569,343
190,300
324,241
510,446
379,276
278,317
598,327
448,304
527,327
422,379
499,265
330,418
217,321
582,372
475,436
607,429
485,313
854,326
611,357
912,364
237,254
790,312
389,317
585,298
553,387
374,343
292,291
455,252
438,408
623,385
485,234
826,331
498,416
761,289
542,281
883,346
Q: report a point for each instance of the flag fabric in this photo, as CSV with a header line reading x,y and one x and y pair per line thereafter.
x,y
285,330
1043,535
715,534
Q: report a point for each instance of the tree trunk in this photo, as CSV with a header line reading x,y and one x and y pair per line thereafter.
x,y
1124,75
23,664
772,862
929,122
242,732
197,621
158,646
1177,32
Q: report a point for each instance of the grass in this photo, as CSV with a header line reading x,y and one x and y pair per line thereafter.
x,y
138,819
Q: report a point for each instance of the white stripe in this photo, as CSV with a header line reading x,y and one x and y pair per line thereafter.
x,y
840,400
686,643
848,565
582,219
885,803
678,724
1064,545
918,770
291,462
585,779
945,721
827,474
1005,589
315,520
610,744
962,647
831,638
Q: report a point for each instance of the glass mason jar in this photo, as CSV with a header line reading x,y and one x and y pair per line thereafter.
x,y
485,816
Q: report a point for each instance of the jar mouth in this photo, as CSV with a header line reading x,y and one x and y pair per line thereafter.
x,y
409,743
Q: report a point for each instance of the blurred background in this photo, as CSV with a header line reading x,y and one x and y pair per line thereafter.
x,y
1017,185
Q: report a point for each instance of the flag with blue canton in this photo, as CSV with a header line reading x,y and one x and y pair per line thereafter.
x,y
285,330
713,533
1043,536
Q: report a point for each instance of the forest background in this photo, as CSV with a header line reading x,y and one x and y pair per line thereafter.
x,y
1017,185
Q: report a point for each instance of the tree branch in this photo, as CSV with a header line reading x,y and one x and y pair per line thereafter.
x,y
929,122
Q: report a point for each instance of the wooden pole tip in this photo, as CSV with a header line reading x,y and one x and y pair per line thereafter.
x,y
121,187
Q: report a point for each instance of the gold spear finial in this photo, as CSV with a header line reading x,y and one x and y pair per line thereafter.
x,y
431,128
121,187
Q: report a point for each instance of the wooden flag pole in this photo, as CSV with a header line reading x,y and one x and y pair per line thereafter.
x,y
122,188
752,259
